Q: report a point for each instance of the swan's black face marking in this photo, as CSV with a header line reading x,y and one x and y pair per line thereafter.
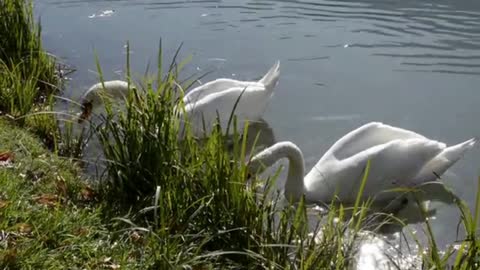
x,y
87,108
404,201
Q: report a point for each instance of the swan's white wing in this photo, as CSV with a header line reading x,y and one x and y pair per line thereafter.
x,y
250,106
392,165
367,136
213,87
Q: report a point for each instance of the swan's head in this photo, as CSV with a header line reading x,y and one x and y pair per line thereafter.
x,y
93,97
259,163
87,108
254,167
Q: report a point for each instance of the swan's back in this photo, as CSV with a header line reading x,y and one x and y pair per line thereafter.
x,y
251,106
219,98
212,87
366,136
268,82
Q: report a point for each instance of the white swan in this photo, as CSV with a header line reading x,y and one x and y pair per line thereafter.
x,y
203,103
398,158
218,98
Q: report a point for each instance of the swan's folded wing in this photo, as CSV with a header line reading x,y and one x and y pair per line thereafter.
x,y
213,87
367,136
392,165
250,106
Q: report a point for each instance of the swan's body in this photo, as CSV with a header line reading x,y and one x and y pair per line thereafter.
x,y
218,98
204,103
398,158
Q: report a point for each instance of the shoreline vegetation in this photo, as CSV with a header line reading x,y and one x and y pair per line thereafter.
x,y
166,203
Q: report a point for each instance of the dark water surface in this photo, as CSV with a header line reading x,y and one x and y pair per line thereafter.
x,y
410,63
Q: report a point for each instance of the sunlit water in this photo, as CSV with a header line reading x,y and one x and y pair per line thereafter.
x,y
410,63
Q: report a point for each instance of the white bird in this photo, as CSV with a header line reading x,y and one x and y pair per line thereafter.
x,y
398,158
204,103
219,98
94,96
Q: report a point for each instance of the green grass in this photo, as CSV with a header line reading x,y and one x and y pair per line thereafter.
x,y
29,79
47,216
21,49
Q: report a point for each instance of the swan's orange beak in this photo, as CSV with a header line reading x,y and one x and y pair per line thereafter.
x,y
86,112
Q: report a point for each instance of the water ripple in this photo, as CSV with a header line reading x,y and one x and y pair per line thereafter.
x,y
449,31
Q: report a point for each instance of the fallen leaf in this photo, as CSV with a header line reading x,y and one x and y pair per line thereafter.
x,y
81,231
61,186
87,193
3,204
6,156
6,159
24,228
136,237
47,199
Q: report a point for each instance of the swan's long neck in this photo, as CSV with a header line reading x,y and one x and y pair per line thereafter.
x,y
294,186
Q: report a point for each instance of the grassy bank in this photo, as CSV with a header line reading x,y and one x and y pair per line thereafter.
x,y
47,219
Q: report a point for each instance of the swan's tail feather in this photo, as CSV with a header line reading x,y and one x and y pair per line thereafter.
x,y
443,161
270,79
455,152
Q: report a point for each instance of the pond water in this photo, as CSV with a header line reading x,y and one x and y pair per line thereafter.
x,y
410,63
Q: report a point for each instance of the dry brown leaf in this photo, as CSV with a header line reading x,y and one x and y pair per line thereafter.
x,y
61,186
3,204
87,193
24,228
50,200
81,231
7,156
6,159
136,237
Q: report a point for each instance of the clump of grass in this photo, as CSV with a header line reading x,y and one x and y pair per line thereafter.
x,y
21,48
29,78
465,254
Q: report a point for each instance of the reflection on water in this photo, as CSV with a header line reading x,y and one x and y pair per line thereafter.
x,y
412,64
